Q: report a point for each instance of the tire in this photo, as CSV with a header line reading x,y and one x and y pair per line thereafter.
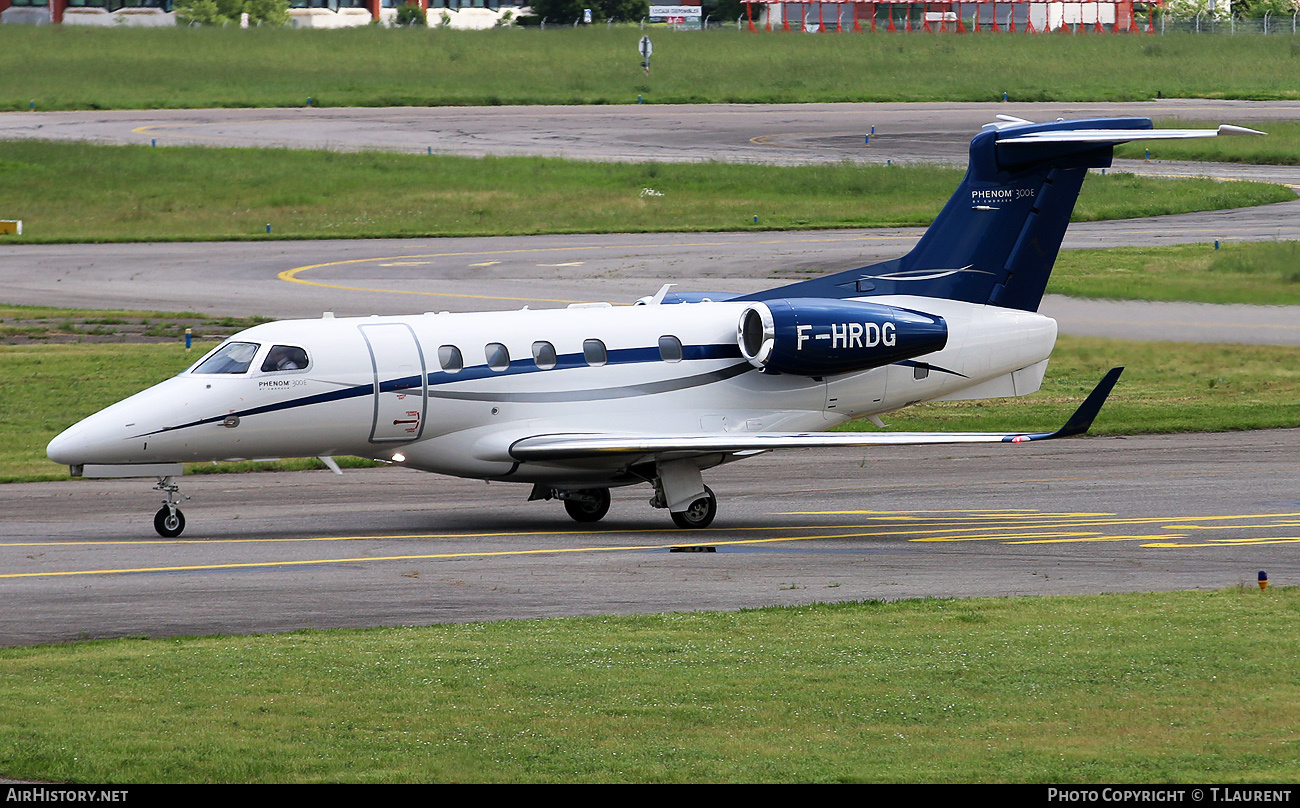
x,y
593,510
700,513
168,527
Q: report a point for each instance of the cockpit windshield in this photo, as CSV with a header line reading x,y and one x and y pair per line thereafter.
x,y
233,357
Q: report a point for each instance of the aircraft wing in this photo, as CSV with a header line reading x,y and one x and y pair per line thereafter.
x,y
580,446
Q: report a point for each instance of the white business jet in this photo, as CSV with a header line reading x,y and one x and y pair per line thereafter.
x,y
575,401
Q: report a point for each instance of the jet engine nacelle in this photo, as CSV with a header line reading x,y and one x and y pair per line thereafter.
x,y
822,337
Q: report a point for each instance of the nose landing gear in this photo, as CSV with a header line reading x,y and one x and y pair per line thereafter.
x,y
169,521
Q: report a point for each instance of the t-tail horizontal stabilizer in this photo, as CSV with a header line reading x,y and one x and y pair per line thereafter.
x,y
995,241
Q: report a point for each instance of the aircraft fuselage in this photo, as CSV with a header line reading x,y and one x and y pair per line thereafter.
x,y
449,393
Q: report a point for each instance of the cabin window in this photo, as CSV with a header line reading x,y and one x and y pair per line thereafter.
x,y
593,350
544,355
920,371
284,357
449,358
498,358
670,348
233,357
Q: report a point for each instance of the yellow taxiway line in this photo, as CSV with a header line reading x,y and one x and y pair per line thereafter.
x,y
1013,527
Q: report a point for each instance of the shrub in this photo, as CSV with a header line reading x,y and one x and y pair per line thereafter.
x,y
267,12
205,12
412,16
227,12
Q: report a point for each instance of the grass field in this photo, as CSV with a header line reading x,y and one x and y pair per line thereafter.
x,y
1280,147
64,67
1184,687
84,192
1168,387
1260,272
1150,688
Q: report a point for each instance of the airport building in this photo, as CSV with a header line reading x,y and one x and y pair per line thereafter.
x,y
1103,16
461,14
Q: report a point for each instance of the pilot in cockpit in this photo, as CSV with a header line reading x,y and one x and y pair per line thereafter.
x,y
285,357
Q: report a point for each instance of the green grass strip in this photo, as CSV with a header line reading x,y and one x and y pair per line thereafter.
x,y
68,68
1281,146
1145,688
1265,273
1168,387
83,192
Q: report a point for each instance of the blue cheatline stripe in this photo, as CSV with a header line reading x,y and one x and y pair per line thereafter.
x,y
620,356
306,401
605,393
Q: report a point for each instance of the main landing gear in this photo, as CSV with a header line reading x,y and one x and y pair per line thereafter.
x,y
582,504
698,514
589,505
169,521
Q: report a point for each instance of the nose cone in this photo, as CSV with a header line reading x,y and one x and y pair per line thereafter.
x,y
105,437
69,447
122,433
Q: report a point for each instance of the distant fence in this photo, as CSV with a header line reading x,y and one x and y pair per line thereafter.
x,y
1204,24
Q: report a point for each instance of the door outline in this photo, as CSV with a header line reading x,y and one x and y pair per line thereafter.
x,y
389,344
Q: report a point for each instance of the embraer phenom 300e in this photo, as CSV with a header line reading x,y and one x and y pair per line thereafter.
x,y
575,401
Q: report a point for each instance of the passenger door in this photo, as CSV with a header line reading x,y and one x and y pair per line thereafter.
x,y
400,382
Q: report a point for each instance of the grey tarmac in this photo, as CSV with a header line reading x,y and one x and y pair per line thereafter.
x,y
277,552
767,133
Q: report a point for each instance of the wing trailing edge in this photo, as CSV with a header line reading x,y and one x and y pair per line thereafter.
x,y
577,446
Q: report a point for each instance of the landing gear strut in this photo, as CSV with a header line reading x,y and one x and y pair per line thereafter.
x,y
680,489
169,521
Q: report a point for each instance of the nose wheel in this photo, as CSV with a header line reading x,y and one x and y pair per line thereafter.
x,y
169,521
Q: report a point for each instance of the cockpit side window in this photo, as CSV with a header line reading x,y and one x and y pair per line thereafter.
x,y
284,357
233,357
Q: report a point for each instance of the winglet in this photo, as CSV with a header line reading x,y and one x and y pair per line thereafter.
x,y
1082,419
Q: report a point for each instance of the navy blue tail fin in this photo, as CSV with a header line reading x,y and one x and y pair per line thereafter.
x,y
997,238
